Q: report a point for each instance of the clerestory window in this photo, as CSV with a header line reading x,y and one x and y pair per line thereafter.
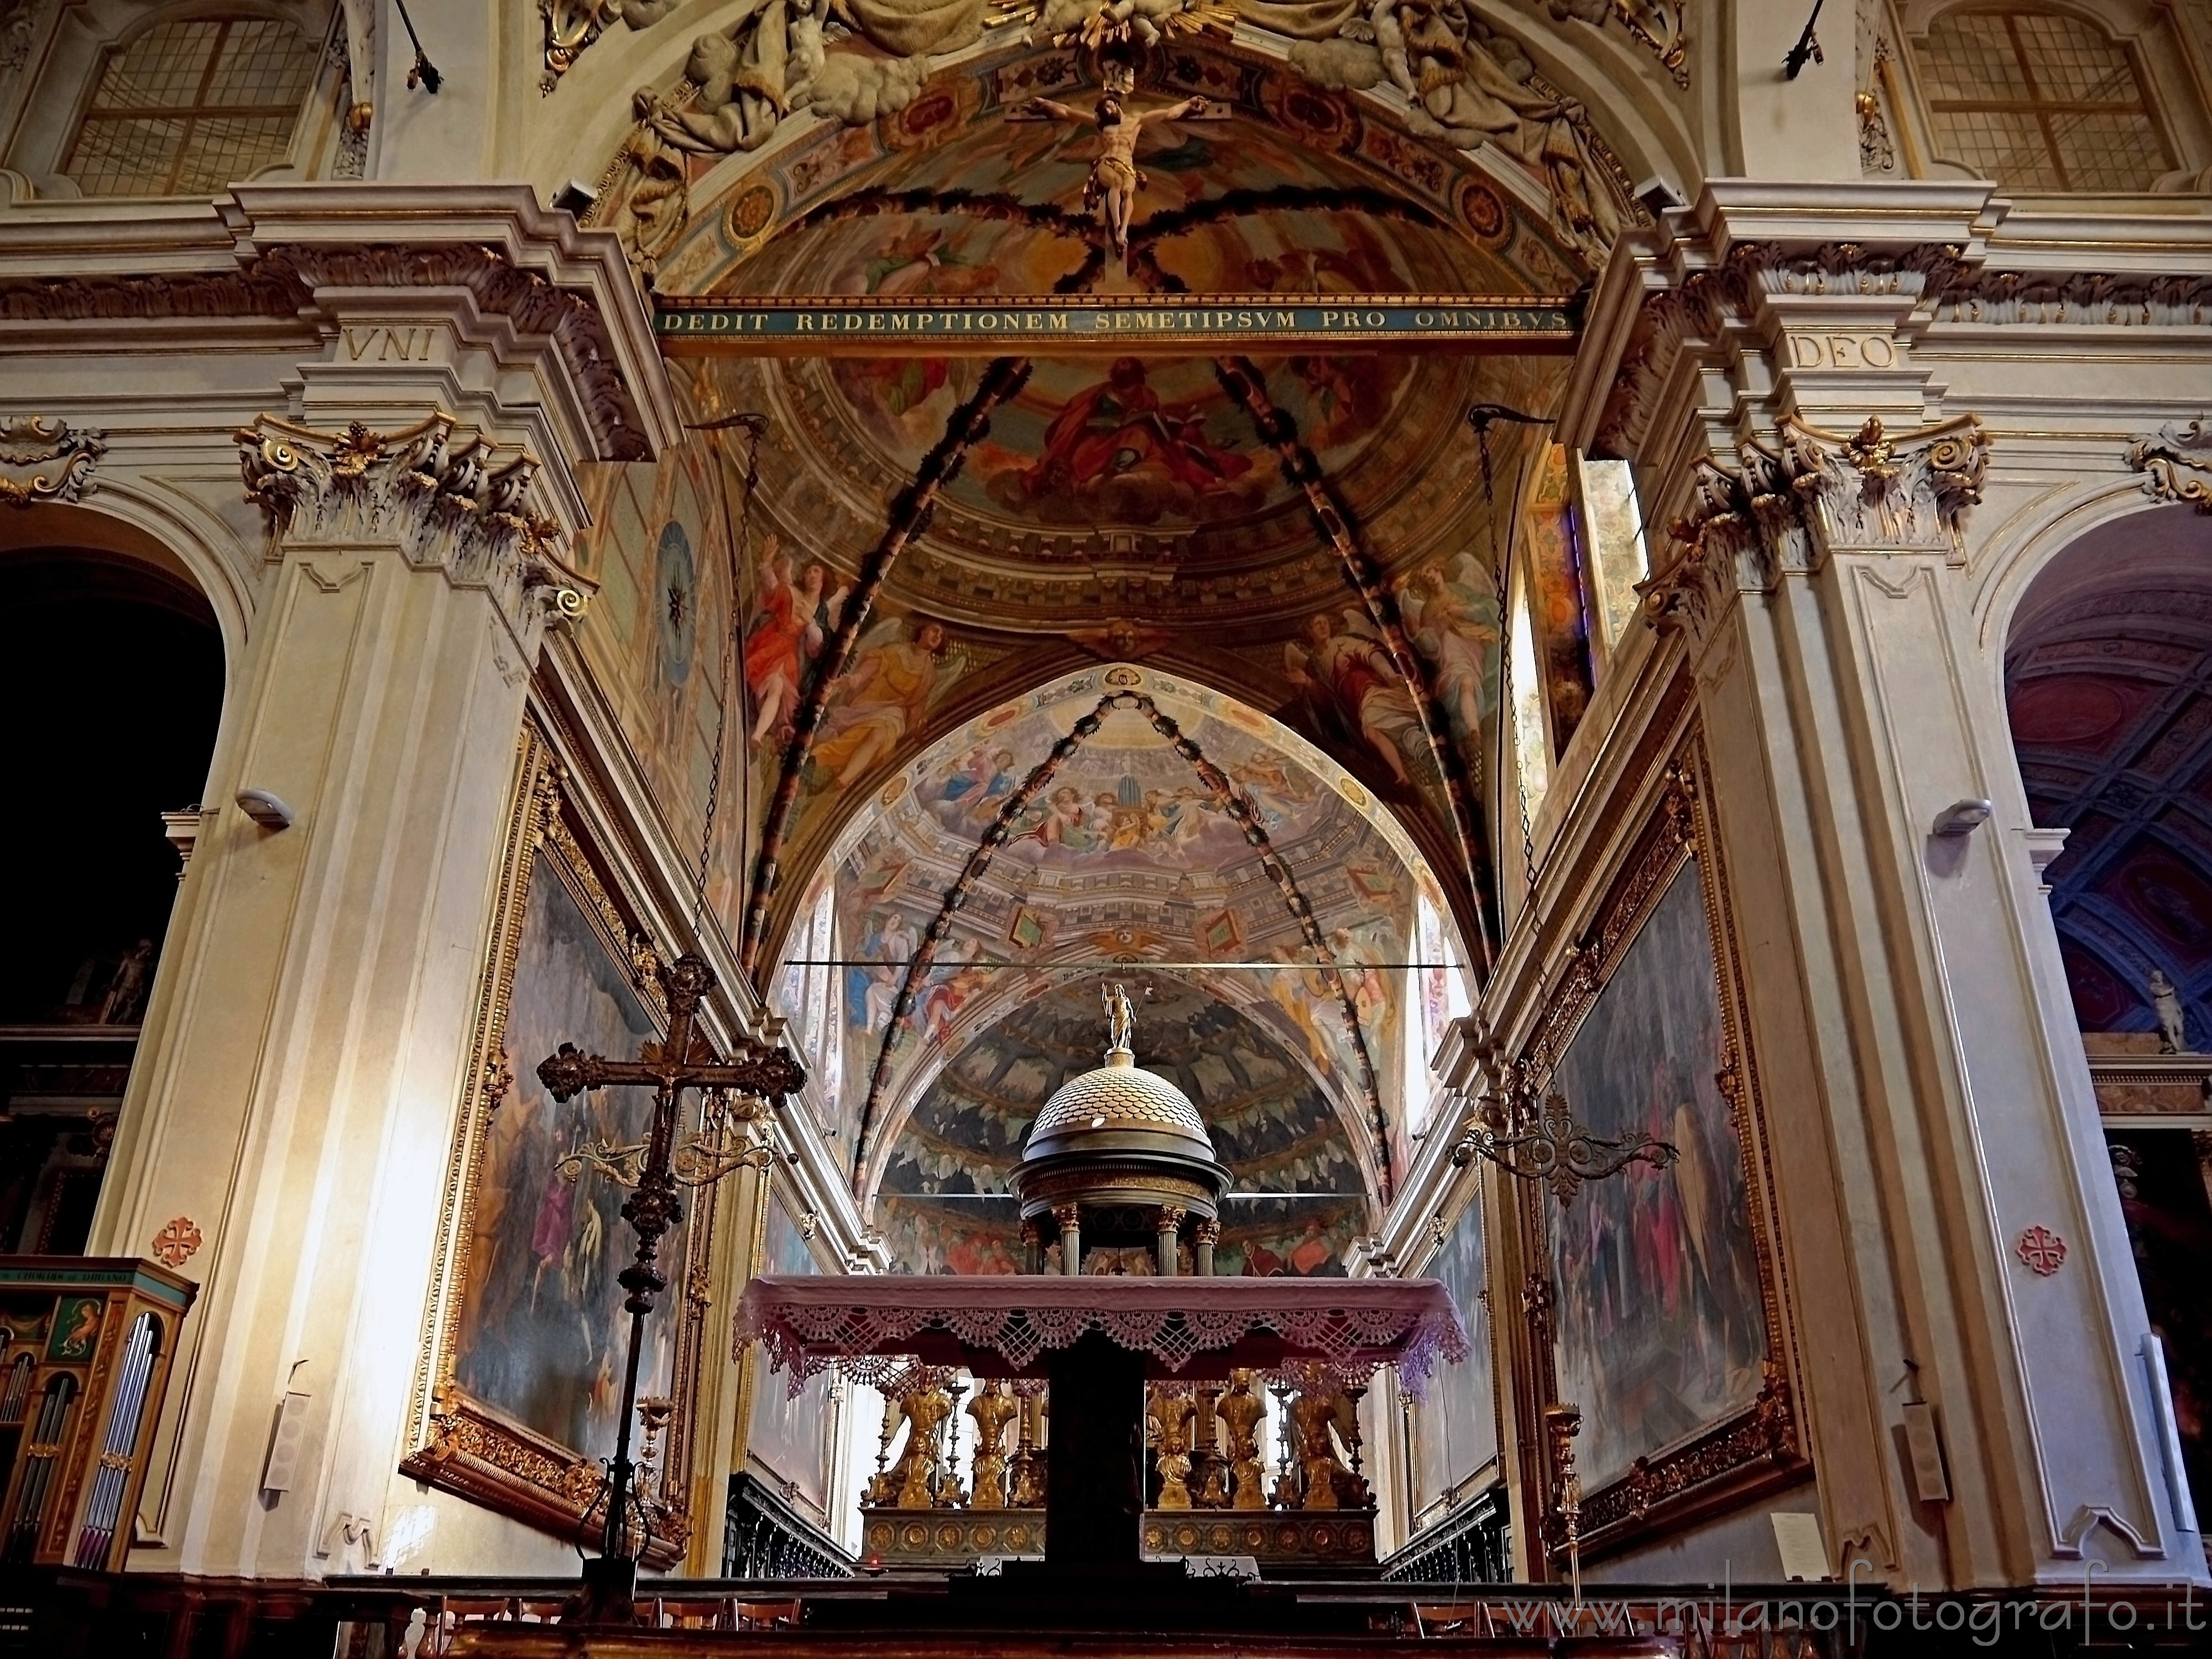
x,y
190,104
2040,101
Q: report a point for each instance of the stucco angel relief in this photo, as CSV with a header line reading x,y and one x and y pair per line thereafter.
x,y
773,60
1094,22
1468,85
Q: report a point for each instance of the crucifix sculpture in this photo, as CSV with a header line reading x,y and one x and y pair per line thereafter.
x,y
683,1060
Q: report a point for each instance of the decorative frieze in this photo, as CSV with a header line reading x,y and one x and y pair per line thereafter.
x,y
446,501
1708,305
43,459
2091,298
281,282
1815,494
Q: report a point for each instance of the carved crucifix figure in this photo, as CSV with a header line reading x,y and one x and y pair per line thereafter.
x,y
1111,189
683,1060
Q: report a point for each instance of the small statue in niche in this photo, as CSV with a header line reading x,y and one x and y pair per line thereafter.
x,y
1313,1414
1030,1462
883,1486
1172,1410
1242,1409
993,1408
2165,1003
127,991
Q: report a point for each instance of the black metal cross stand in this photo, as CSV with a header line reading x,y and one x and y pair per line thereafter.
x,y
683,1060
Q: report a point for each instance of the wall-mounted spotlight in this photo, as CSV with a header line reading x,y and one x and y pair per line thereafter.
x,y
264,809
1961,818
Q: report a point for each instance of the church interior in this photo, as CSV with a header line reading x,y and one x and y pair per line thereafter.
x,y
1074,826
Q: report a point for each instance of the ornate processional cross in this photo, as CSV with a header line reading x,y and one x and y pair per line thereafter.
x,y
683,1060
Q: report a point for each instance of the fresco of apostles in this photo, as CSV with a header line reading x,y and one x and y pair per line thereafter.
x,y
1125,792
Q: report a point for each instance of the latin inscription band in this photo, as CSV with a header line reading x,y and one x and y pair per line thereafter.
x,y
830,326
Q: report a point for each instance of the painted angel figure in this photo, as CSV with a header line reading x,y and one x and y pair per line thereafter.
x,y
798,614
1111,189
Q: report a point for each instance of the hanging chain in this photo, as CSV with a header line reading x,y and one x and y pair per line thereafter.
x,y
740,550
1481,417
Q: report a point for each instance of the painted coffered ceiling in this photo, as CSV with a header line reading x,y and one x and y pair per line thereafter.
x,y
2108,686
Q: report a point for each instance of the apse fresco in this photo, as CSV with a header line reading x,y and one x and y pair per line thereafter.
x,y
1121,507
542,1333
902,667
1661,1329
1117,505
1133,443
1298,1196
1312,250
1152,446
1124,855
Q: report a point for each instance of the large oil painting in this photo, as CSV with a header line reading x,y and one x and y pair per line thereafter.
x,y
1661,1330
793,1437
542,1333
1455,1431
522,1371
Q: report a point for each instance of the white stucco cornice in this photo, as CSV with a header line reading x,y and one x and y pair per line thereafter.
x,y
507,221
321,256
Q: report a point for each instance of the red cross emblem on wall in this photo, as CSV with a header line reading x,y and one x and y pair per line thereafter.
x,y
2042,1250
177,1241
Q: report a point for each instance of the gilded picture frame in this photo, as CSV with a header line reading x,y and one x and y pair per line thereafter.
x,y
1757,1443
471,1433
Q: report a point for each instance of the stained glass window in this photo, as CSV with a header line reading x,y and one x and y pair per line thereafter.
x,y
190,104
2037,100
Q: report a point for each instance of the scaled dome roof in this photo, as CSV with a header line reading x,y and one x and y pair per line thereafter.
x,y
1120,1096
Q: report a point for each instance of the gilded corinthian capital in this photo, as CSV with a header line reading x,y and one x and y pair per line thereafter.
x,y
1790,505
444,500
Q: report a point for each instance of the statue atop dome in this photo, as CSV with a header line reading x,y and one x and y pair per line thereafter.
x,y
1121,1022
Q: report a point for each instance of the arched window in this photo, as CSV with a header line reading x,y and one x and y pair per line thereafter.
x,y
2038,100
190,105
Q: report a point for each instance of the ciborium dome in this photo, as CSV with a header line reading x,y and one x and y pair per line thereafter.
x,y
1120,1155
1117,1098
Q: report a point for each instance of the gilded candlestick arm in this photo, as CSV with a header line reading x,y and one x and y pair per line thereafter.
x,y
1555,1148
